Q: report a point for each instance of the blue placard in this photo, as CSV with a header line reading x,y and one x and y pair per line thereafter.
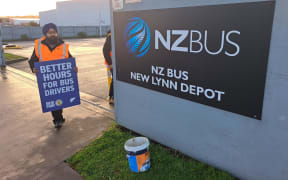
x,y
58,84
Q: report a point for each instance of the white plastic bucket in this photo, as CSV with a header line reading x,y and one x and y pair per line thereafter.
x,y
138,154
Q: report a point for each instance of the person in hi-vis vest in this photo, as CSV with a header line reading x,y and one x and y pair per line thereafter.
x,y
48,48
107,52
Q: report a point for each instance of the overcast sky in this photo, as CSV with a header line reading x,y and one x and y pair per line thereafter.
x,y
25,7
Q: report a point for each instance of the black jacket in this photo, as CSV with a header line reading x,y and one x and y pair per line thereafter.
x,y
34,58
107,49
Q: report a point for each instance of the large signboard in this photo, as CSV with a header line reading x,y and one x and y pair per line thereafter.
x,y
58,84
213,55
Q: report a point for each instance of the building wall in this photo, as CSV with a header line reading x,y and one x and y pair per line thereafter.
x,y
249,149
78,13
48,17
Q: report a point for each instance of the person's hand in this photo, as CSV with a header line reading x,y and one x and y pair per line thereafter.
x,y
35,71
76,69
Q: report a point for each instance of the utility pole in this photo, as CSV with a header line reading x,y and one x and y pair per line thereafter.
x,y
2,59
101,21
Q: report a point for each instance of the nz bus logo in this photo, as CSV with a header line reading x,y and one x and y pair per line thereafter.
x,y
137,37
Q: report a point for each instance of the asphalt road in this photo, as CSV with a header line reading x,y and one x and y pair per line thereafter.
x,y
90,61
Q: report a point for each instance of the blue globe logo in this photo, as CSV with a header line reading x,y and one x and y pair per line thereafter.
x,y
137,37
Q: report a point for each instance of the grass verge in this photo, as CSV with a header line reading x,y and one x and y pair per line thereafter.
x,y
105,158
12,57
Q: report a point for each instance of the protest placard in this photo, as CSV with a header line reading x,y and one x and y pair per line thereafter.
x,y
58,84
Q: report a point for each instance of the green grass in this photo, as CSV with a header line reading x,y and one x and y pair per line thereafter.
x,y
12,57
105,158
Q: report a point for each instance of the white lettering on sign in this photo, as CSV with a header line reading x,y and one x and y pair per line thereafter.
x,y
60,90
202,44
158,70
200,91
55,67
140,77
169,84
173,73
176,80
50,104
57,75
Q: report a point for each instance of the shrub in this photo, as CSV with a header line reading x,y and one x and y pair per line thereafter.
x,y
82,35
24,37
33,24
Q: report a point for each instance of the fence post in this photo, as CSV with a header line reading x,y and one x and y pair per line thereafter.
x,y
74,31
30,33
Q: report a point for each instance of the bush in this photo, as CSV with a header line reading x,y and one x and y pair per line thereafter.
x,y
33,24
82,35
24,37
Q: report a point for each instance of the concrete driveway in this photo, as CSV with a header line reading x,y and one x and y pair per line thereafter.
x,y
89,58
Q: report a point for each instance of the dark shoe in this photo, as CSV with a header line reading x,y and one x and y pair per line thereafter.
x,y
62,121
111,100
57,124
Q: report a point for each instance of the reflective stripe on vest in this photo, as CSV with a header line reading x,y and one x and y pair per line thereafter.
x,y
64,51
39,50
40,53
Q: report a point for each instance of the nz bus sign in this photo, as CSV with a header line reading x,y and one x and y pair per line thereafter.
x,y
213,55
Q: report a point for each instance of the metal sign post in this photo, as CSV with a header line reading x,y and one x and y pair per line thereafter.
x,y
2,59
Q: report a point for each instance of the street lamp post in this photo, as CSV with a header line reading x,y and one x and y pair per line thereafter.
x,y
101,21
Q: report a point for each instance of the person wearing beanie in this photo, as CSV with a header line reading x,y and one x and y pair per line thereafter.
x,y
48,48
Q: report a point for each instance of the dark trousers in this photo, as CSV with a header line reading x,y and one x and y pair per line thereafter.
x,y
111,89
57,115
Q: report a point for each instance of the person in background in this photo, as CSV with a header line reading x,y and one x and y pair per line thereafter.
x,y
48,48
107,52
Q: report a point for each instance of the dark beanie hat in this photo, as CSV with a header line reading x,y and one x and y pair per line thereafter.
x,y
49,26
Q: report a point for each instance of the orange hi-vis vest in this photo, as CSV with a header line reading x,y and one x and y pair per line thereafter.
x,y
110,56
44,54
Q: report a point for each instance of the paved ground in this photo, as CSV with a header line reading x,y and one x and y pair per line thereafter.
x,y
30,147
88,53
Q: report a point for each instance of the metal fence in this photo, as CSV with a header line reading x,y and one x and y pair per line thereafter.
x,y
25,33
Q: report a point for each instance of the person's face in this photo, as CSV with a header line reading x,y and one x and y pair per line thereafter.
x,y
52,34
